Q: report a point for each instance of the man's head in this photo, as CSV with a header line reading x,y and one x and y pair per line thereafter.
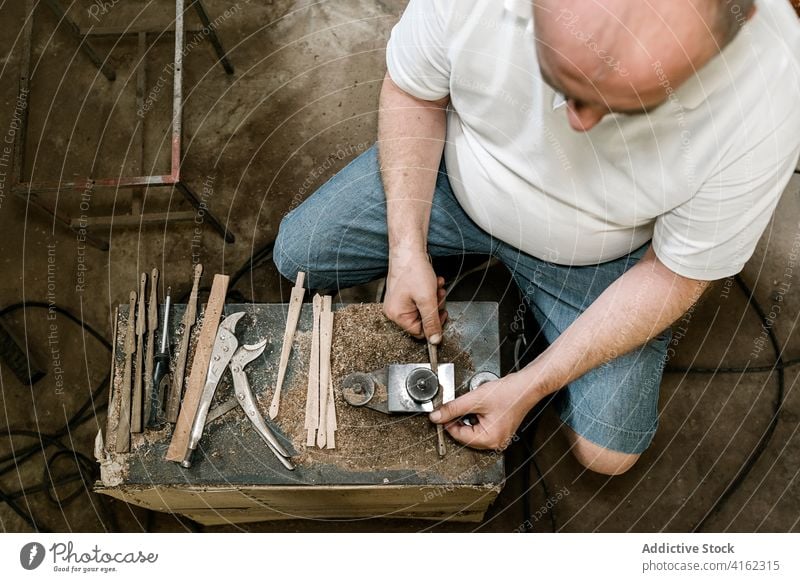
x,y
626,56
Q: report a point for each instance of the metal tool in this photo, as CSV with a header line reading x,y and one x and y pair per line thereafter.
x,y
474,383
399,388
407,388
189,318
433,356
223,355
160,380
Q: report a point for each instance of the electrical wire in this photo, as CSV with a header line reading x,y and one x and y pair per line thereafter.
x,y
86,472
766,437
86,469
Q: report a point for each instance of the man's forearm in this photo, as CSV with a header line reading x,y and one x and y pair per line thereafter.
x,y
635,308
411,135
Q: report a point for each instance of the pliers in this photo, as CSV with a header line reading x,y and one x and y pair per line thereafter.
x,y
226,353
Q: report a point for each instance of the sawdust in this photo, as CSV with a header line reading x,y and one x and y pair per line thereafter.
x,y
366,440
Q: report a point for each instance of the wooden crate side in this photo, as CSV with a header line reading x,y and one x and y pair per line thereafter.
x,y
214,506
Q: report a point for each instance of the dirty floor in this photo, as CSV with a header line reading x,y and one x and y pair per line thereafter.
x,y
300,105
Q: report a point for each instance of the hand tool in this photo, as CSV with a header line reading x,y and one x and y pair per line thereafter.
x,y
160,379
123,443
312,392
189,318
295,305
223,355
433,356
137,399
197,377
325,328
152,326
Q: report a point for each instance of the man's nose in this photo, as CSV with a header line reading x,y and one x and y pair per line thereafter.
x,y
583,117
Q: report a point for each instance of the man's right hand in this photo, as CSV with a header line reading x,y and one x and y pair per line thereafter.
x,y
415,296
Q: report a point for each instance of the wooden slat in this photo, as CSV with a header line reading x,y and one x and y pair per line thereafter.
x,y
250,504
197,376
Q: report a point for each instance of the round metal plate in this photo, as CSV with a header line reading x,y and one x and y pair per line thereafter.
x,y
358,388
481,378
422,385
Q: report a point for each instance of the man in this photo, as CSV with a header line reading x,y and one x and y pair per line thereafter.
x,y
616,155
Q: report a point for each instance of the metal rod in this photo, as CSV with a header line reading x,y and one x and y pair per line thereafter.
x,y
212,36
166,319
83,44
177,92
212,219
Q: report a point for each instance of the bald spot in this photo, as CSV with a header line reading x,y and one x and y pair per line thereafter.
x,y
605,51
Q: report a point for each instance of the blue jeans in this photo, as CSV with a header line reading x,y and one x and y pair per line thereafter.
x,y
338,237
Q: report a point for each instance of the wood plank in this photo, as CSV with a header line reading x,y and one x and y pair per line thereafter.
x,y
326,327
189,319
136,399
113,390
330,425
197,377
312,393
269,503
152,326
295,306
123,441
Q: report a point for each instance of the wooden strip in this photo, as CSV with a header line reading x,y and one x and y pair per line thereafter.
x,y
123,442
189,319
113,390
197,377
295,305
152,326
137,399
331,417
312,394
326,326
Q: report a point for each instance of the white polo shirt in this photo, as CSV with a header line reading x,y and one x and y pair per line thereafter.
x,y
700,175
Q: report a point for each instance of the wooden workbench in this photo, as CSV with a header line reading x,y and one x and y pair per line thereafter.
x,y
383,465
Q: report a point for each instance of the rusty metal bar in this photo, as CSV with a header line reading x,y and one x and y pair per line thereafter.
x,y
212,36
29,190
84,183
83,44
177,93
133,220
209,216
133,29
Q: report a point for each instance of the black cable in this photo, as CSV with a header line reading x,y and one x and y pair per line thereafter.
x,y
763,442
86,468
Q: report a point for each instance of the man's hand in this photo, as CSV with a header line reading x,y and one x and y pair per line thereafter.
x,y
500,406
414,295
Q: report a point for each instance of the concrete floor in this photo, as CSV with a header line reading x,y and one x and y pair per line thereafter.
x,y
301,104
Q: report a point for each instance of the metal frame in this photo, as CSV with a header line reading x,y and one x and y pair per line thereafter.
x,y
30,190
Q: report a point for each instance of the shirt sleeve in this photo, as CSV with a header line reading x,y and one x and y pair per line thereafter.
x,y
713,234
416,55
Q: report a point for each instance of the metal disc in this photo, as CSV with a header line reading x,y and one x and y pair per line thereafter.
x,y
422,384
358,388
481,378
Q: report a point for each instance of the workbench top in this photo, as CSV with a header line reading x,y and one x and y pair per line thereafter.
x,y
373,449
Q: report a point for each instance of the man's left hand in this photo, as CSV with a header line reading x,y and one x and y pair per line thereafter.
x,y
499,408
